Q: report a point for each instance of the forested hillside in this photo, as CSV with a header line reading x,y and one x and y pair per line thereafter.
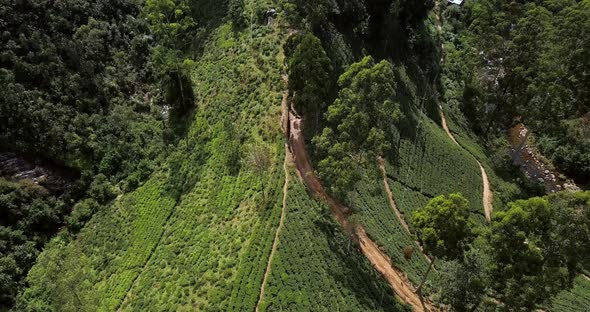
x,y
290,155
524,61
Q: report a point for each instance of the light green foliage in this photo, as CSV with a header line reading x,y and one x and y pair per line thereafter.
x,y
373,211
444,226
109,252
360,120
318,267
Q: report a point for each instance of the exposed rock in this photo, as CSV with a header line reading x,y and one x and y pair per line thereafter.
x,y
42,172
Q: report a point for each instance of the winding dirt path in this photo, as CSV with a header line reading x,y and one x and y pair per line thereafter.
x,y
586,276
401,286
275,242
393,205
488,196
401,219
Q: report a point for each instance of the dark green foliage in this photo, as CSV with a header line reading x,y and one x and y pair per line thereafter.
x,y
29,217
236,13
76,81
359,122
529,61
537,248
463,283
310,76
350,28
175,31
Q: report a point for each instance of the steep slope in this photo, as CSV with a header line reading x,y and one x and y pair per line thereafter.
x,y
488,196
151,250
318,265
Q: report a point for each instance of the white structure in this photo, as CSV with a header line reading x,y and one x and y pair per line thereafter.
x,y
457,2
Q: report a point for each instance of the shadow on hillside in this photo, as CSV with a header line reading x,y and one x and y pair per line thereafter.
x,y
357,275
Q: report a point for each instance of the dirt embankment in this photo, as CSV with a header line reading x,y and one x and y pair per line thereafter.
x,y
402,287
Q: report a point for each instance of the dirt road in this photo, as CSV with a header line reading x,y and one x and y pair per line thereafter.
x,y
402,287
400,284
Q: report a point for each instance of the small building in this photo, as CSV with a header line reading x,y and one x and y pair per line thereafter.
x,y
457,2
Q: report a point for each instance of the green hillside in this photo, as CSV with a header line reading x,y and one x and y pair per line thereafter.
x,y
149,250
293,155
317,267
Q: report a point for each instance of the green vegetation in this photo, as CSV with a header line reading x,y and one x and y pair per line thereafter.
x,y
576,299
531,252
427,164
360,120
538,246
372,210
166,114
310,81
318,265
444,229
111,249
183,240
526,61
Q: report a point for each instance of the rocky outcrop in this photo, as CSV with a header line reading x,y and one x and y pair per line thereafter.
x,y
40,171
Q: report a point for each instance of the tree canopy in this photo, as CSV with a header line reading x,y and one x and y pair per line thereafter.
x,y
359,122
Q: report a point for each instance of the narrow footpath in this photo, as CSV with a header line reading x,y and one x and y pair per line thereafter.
x,y
398,214
284,207
488,196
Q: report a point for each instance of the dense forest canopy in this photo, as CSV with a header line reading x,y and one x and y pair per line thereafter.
x,y
527,61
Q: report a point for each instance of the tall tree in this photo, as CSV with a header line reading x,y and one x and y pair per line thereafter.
x,y
309,78
174,27
445,229
360,121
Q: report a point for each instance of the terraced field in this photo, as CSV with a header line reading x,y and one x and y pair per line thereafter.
x,y
576,299
429,164
206,250
317,267
374,212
